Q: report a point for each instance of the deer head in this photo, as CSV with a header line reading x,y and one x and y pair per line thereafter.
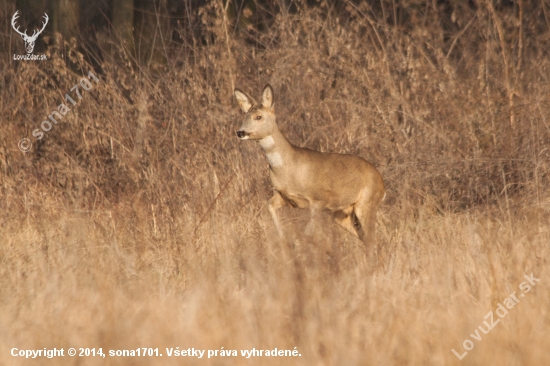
x,y
29,40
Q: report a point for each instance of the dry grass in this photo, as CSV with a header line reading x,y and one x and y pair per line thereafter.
x,y
140,220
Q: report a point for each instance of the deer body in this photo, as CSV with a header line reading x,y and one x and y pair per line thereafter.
x,y
345,185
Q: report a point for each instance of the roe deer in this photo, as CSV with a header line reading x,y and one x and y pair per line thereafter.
x,y
345,185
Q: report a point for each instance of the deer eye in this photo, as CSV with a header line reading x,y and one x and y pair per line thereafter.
x,y
258,118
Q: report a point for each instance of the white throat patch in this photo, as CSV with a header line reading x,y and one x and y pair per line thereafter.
x,y
267,142
275,159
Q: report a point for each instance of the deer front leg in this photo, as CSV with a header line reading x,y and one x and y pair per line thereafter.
x,y
276,202
315,208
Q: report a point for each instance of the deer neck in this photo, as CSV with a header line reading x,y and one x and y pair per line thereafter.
x,y
277,149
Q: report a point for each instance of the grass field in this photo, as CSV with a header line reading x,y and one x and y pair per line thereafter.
x,y
140,220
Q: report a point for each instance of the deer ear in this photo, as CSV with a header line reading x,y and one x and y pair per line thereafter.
x,y
245,101
267,97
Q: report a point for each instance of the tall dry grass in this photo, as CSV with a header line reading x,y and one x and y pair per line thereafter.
x,y
140,220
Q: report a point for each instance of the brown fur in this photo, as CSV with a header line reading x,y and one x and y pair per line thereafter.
x,y
346,186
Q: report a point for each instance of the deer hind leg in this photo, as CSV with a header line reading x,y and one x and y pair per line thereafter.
x,y
365,217
345,218
276,202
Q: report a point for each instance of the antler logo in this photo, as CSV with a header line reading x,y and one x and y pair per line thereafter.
x,y
29,40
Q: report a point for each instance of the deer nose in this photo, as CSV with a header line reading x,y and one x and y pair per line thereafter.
x,y
240,134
